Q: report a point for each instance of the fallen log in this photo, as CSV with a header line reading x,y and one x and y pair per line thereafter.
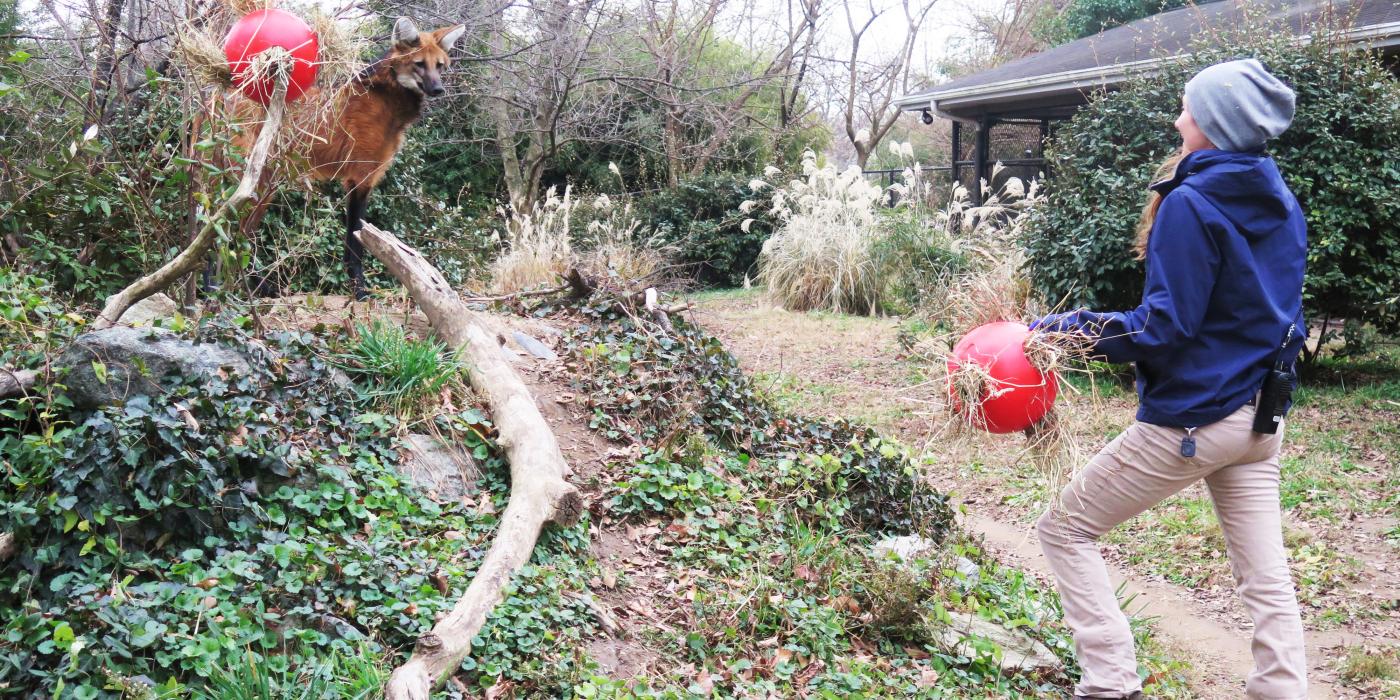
x,y
16,383
538,492
197,251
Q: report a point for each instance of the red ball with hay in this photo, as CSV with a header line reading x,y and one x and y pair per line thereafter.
x,y
993,383
260,31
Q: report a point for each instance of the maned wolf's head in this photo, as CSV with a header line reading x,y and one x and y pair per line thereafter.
x,y
417,58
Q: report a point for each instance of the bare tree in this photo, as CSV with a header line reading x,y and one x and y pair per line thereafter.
x,y
533,88
703,98
994,36
872,82
802,17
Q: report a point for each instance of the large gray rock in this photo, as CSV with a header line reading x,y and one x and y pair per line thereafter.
x,y
143,312
534,347
444,473
1019,653
135,360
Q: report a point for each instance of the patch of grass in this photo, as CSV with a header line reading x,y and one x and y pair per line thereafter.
x,y
1335,455
717,295
1372,669
1180,540
357,676
399,373
790,393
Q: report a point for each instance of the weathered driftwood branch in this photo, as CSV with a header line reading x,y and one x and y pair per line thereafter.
x,y
16,383
538,492
518,295
575,284
196,252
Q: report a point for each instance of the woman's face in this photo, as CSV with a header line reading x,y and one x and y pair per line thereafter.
x,y
1192,138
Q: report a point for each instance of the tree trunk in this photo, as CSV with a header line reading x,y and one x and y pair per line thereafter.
x,y
538,492
195,253
108,28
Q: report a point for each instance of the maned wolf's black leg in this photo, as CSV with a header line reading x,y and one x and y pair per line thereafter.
x,y
355,206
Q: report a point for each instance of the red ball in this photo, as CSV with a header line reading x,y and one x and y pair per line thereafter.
x,y
1019,395
261,30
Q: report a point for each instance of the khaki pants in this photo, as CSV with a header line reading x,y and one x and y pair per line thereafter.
x,y
1134,472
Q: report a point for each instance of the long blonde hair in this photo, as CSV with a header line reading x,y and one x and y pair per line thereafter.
x,y
1154,201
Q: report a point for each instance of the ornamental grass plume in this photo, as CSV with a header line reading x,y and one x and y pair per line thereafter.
x,y
821,256
539,250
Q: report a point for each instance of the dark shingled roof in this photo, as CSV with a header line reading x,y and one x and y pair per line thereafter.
x,y
1055,82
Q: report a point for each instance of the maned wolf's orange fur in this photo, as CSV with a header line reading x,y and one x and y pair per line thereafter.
x,y
355,140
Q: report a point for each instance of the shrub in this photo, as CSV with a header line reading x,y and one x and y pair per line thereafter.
x,y
93,207
256,517
821,257
300,242
701,218
615,244
1339,159
1081,18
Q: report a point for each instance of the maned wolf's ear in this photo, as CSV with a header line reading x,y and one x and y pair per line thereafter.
x,y
405,33
451,37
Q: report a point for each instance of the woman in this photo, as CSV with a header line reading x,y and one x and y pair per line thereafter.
x,y
1225,244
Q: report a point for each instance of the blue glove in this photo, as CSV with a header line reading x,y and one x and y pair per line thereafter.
x,y
1056,323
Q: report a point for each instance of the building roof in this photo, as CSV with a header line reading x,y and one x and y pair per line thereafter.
x,y
1055,82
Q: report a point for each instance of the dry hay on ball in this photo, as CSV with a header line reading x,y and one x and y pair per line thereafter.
x,y
1050,448
199,49
201,55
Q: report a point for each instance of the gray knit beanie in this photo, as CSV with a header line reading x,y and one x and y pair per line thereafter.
x,y
1239,105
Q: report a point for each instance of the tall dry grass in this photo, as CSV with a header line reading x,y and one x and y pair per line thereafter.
x,y
993,285
538,245
602,237
822,255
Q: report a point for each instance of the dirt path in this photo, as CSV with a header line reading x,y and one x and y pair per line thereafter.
x,y
844,366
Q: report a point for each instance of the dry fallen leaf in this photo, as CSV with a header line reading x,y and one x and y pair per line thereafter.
x,y
846,603
704,682
928,678
184,412
486,507
809,672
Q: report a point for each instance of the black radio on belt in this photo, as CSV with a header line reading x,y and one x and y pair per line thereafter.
x,y
1276,393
